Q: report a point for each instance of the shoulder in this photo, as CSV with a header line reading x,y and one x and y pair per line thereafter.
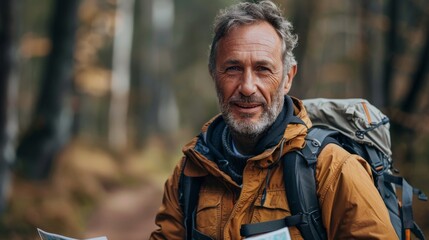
x,y
172,182
350,203
336,165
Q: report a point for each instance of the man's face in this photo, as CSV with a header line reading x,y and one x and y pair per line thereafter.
x,y
249,77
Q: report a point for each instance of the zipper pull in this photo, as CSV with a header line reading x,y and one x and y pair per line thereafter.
x,y
264,195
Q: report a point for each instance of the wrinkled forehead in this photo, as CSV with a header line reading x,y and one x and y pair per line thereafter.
x,y
251,27
251,37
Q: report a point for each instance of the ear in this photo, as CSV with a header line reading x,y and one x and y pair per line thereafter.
x,y
289,78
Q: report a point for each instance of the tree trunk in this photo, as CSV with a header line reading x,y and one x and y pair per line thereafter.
x,y
50,128
372,66
418,79
120,86
147,87
304,13
167,112
8,96
390,54
158,107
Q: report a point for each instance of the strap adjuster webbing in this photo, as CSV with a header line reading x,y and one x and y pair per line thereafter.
x,y
251,229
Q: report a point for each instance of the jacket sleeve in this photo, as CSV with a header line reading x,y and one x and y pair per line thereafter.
x,y
169,218
351,206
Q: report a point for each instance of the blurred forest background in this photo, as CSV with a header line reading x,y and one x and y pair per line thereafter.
x,y
98,97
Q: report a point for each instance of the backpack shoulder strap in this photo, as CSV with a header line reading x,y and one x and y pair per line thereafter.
x,y
189,188
316,140
300,184
409,225
299,176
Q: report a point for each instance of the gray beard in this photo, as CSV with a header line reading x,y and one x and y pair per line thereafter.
x,y
251,129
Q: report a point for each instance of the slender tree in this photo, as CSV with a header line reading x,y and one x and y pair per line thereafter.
x,y
373,41
8,96
413,17
158,105
120,87
390,54
303,16
50,127
147,87
419,78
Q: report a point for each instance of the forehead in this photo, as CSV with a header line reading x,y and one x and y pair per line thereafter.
x,y
259,36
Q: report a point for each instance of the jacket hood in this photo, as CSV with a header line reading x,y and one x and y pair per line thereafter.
x,y
201,159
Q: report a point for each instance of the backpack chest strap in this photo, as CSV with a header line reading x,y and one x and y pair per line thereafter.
x,y
251,229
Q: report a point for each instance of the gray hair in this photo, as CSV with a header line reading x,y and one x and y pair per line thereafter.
x,y
249,13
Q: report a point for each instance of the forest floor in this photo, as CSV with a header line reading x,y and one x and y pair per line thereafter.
x,y
90,193
126,214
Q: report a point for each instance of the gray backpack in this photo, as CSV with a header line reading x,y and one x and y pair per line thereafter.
x,y
362,129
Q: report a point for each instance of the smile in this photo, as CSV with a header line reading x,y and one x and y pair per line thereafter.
x,y
248,105
247,108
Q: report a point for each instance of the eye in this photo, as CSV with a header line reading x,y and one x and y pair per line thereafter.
x,y
232,69
262,69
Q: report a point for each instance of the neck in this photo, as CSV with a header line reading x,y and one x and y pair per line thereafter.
x,y
245,143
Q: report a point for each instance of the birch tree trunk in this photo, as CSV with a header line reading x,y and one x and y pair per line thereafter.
x,y
120,84
167,113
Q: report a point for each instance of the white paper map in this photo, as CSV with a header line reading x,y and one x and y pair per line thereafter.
x,y
52,236
281,234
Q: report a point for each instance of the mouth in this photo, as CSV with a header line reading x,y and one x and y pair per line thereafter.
x,y
247,107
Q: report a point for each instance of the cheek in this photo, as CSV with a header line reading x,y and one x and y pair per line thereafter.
x,y
271,88
225,89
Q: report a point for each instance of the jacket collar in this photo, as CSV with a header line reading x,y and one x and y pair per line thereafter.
x,y
197,152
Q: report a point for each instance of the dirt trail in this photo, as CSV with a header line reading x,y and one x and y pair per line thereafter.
x,y
126,214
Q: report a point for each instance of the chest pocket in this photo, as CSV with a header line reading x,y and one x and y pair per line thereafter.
x,y
209,213
274,207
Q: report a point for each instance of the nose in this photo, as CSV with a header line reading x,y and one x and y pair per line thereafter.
x,y
247,85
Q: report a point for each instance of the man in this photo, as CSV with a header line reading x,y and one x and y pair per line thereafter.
x,y
238,152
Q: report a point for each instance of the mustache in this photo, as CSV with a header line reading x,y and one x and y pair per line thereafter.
x,y
248,99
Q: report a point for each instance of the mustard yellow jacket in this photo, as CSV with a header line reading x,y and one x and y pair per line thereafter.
x,y
350,204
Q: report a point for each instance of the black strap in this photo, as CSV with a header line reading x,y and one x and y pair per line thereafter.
x,y
374,161
397,180
189,188
251,229
417,232
300,184
316,140
197,235
301,193
407,200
